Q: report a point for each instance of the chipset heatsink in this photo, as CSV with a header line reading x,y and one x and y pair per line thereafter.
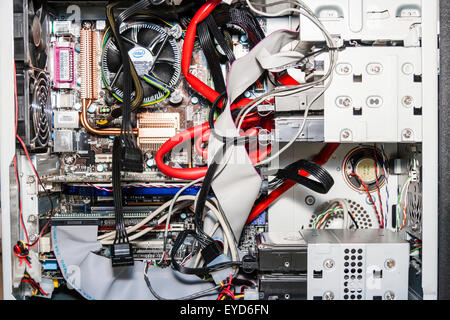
x,y
155,129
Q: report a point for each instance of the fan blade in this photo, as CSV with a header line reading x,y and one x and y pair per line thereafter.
x,y
130,35
154,44
166,53
119,82
146,36
113,60
116,76
166,61
162,73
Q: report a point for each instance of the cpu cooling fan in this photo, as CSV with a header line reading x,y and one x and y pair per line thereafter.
x,y
154,54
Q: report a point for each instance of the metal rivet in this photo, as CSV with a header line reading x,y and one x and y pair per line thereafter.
x,y
328,295
328,264
346,134
407,134
310,200
389,295
389,264
407,101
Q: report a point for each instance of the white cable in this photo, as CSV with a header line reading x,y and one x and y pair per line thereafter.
x,y
225,228
307,12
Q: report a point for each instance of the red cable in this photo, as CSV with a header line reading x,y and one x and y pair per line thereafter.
x,y
203,89
188,48
321,158
185,173
287,80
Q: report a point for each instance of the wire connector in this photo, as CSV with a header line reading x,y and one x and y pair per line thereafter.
x,y
122,255
131,159
211,252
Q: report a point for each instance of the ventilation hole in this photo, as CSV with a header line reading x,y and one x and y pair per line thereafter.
x,y
346,264
359,251
359,270
359,297
352,297
353,250
353,271
346,257
360,257
353,257
353,264
346,297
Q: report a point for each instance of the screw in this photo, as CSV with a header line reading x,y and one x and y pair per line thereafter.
x,y
390,263
407,101
345,134
376,69
328,264
287,296
389,295
346,102
345,69
407,134
32,218
30,179
328,295
287,264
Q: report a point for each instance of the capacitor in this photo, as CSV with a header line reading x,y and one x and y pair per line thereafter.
x,y
194,100
100,168
150,163
92,109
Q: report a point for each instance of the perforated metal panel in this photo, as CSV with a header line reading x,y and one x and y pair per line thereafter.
x,y
357,265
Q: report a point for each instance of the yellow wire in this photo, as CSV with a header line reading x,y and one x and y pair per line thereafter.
x,y
104,35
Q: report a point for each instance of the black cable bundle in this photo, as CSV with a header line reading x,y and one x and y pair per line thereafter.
x,y
126,155
211,30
